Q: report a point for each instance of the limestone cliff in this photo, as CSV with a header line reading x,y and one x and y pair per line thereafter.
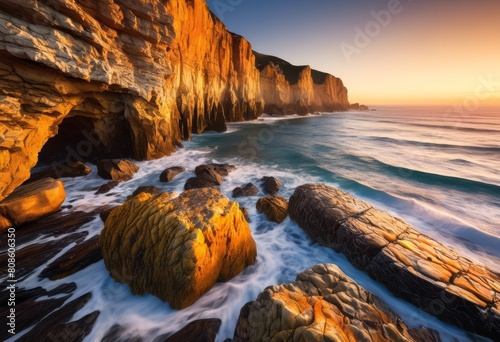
x,y
115,78
290,89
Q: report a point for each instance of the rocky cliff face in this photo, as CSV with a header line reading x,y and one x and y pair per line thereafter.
x,y
290,89
86,80
115,78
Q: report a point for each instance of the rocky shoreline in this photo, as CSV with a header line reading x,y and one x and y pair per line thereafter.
x,y
178,246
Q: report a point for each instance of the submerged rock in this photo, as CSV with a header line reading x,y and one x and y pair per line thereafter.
x,y
323,304
248,190
271,185
119,170
203,330
411,265
169,174
60,170
275,208
177,248
31,202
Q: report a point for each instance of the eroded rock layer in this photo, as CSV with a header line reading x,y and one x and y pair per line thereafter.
x,y
115,79
177,249
290,89
323,304
411,265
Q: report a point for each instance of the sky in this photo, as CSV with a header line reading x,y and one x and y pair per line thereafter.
x,y
387,52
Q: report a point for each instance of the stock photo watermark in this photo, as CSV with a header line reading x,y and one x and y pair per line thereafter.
x,y
220,7
11,280
363,36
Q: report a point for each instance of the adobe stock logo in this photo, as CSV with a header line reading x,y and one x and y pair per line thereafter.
x,y
222,6
371,30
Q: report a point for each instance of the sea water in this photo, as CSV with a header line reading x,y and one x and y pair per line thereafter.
x,y
438,171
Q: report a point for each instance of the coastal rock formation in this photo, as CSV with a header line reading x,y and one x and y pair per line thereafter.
x,y
290,89
203,330
275,208
177,248
247,190
31,202
117,170
411,265
323,304
146,71
169,174
69,169
271,185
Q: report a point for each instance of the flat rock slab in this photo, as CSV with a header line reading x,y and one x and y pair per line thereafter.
x,y
323,304
411,265
203,330
31,202
177,248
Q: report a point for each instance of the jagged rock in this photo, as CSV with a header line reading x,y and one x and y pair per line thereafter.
x,y
33,256
60,170
245,214
30,308
357,106
209,174
275,208
177,248
290,89
31,202
105,188
323,304
411,265
248,190
169,174
150,189
55,327
199,183
76,259
119,170
203,330
221,169
271,185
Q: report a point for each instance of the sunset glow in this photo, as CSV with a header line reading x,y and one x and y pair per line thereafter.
x,y
426,53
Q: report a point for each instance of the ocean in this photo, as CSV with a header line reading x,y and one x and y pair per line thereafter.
x,y
437,170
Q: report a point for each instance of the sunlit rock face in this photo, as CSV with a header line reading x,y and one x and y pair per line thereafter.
x,y
290,89
115,78
323,304
177,248
410,264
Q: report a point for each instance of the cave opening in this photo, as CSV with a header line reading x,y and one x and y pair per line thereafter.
x,y
76,140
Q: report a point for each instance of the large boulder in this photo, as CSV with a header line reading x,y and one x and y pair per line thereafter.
x,y
177,248
323,304
31,202
274,207
119,170
411,265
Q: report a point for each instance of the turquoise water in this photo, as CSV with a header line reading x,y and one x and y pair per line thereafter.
x,y
438,172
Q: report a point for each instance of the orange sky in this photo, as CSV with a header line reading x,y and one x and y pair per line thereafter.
x,y
444,52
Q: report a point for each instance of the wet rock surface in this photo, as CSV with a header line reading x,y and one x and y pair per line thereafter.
x,y
208,176
203,330
76,259
248,190
61,170
410,264
149,189
119,170
271,185
177,249
274,207
105,188
169,174
323,304
31,202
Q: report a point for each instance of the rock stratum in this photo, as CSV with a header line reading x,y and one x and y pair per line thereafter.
x,y
290,89
410,264
115,78
323,304
177,248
